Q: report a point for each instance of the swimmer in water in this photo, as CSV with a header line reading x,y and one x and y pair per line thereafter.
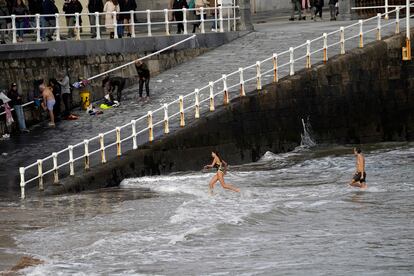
x,y
358,180
221,167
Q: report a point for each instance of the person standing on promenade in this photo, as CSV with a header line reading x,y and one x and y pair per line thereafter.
x,y
71,7
200,4
16,103
358,179
20,9
125,18
296,6
144,78
178,15
94,6
63,80
48,102
110,7
4,11
221,167
318,8
48,8
332,9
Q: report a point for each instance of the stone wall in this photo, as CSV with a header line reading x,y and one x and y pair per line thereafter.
x,y
364,96
23,63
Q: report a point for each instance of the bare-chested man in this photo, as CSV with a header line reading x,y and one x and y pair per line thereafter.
x,y
359,177
48,102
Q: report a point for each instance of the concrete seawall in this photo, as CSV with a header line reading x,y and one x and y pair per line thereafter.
x,y
363,96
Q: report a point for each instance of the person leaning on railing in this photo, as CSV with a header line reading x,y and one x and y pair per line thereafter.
x,y
4,11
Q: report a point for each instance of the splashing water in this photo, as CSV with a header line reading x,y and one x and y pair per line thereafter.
x,y
306,138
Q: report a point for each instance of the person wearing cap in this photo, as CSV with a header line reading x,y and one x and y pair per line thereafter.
x,y
16,103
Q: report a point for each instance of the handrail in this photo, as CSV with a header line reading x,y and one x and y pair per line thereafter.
x,y
179,107
227,15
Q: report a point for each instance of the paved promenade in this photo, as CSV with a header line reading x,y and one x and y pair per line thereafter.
x,y
271,35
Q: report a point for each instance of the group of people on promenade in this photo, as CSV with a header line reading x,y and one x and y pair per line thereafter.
x,y
22,11
48,96
313,8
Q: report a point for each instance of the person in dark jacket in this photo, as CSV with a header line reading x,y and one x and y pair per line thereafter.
x,y
296,5
318,8
94,6
20,9
144,78
178,15
71,7
48,7
4,11
332,9
16,103
112,83
125,6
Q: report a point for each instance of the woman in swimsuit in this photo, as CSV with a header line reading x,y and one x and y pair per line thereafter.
x,y
221,167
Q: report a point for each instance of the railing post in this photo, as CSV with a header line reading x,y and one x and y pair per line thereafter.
x,y
228,19
40,173
242,90
225,90
211,85
102,143
14,38
234,16
166,122
150,127
378,26
275,73
202,20
115,22
342,40
134,134
182,117
22,183
132,24
397,20
185,20
149,22
38,28
71,167
386,10
77,26
221,19
98,26
197,103
87,161
258,76
325,47
361,34
407,50
57,16
118,141
167,25
308,54
292,62
55,168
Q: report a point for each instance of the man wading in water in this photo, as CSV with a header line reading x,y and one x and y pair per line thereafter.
x,y
359,177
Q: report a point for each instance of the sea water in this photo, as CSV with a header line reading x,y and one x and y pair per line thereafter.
x,y
295,215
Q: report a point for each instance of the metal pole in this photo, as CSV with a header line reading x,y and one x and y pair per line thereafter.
x,y
211,85
166,123
22,182
197,103
242,90
57,27
134,134
132,26
167,25
13,17
149,22
407,50
361,34
97,24
292,62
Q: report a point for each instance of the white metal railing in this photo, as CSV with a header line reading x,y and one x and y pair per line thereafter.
x,y
221,17
158,122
